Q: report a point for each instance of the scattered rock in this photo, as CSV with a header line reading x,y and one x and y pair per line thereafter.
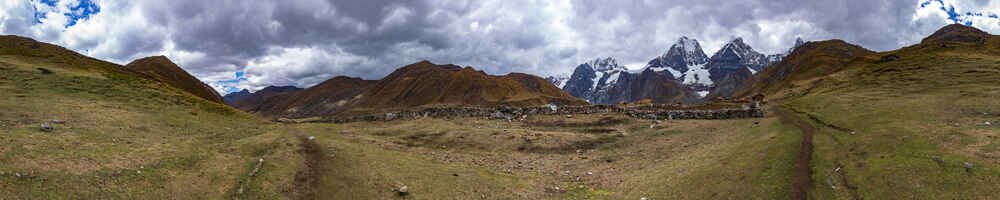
x,y
888,58
852,132
58,122
403,191
553,107
47,127
938,160
45,71
390,116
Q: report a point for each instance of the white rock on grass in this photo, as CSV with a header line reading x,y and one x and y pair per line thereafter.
x,y
404,190
47,127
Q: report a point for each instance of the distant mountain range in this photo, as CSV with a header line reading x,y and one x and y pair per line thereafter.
x,y
684,74
414,85
247,101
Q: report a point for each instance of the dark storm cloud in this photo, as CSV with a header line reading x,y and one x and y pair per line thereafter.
x,y
303,42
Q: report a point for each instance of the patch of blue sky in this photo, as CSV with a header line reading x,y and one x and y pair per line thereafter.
x,y
953,15
230,86
84,10
81,11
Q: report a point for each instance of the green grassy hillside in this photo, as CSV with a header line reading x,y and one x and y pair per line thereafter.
x,y
120,136
902,124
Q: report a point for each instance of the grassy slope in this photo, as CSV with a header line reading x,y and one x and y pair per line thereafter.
x,y
904,114
501,160
124,137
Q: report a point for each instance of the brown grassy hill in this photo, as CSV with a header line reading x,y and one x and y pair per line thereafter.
x,y
60,57
808,63
415,85
425,83
957,33
327,98
161,69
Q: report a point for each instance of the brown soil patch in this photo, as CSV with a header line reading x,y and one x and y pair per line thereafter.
x,y
307,178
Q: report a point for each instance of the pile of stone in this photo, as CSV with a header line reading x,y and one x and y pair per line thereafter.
x,y
651,111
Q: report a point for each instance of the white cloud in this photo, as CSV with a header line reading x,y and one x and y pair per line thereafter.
x,y
303,42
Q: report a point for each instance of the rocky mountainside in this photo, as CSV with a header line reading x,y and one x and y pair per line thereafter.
x,y
811,60
559,80
736,62
684,74
161,69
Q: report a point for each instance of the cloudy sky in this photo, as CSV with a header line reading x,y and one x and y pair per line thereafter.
x,y
237,44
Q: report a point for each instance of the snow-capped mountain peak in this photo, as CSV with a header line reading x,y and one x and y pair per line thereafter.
x,y
690,46
737,47
684,53
605,64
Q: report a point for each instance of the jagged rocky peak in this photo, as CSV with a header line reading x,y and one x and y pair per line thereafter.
x,y
605,64
739,48
684,53
690,50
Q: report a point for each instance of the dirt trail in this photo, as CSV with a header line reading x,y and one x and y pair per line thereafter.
x,y
306,178
803,173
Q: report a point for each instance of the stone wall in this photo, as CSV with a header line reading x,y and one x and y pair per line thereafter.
x,y
656,112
